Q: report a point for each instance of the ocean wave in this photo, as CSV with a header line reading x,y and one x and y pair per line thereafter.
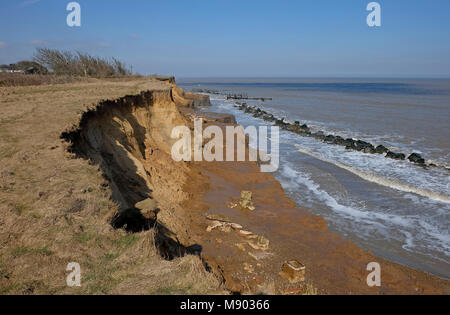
x,y
414,233
380,180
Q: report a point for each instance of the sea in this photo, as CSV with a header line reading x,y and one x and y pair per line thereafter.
x,y
395,209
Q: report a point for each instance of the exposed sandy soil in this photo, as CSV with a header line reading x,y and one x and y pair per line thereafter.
x,y
57,202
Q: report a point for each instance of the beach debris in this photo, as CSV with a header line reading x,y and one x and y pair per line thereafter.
x,y
214,225
246,234
246,200
241,246
218,217
236,226
293,271
260,243
249,268
226,228
232,205
259,255
222,223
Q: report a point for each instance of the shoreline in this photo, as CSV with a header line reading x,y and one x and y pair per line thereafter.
x,y
359,190
334,265
106,158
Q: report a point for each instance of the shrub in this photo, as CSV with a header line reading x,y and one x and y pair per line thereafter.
x,y
79,64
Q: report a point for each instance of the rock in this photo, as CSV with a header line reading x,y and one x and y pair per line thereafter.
x,y
218,217
246,200
236,226
318,135
232,205
241,246
249,268
246,234
295,127
259,255
416,158
226,228
395,156
281,123
293,271
269,117
364,146
369,150
381,149
339,141
214,225
261,243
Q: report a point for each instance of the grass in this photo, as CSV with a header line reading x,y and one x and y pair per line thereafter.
x,y
18,79
126,241
20,209
84,237
111,261
23,250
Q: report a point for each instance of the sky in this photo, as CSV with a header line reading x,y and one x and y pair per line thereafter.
x,y
245,38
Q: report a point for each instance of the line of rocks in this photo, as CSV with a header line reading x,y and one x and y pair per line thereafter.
x,y
349,144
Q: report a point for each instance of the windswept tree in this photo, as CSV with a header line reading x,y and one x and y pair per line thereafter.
x,y
79,64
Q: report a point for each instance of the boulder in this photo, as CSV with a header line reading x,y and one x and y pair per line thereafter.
x,y
329,139
293,271
246,200
395,156
381,149
416,158
360,145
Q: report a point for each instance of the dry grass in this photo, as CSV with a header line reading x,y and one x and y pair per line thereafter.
x,y
55,209
20,79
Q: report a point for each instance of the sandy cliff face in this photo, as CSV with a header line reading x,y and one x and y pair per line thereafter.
x,y
130,138
188,99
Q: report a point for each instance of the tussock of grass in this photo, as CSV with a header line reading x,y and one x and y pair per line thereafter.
x,y
23,250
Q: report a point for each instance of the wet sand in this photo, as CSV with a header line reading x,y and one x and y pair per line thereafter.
x,y
334,265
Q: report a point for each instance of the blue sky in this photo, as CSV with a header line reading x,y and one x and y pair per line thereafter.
x,y
246,38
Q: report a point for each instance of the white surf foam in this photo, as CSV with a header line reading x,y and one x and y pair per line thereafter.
x,y
391,183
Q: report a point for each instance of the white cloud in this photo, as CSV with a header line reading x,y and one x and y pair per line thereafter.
x,y
28,3
3,44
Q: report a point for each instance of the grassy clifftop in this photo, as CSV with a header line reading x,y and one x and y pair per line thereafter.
x,y
55,209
